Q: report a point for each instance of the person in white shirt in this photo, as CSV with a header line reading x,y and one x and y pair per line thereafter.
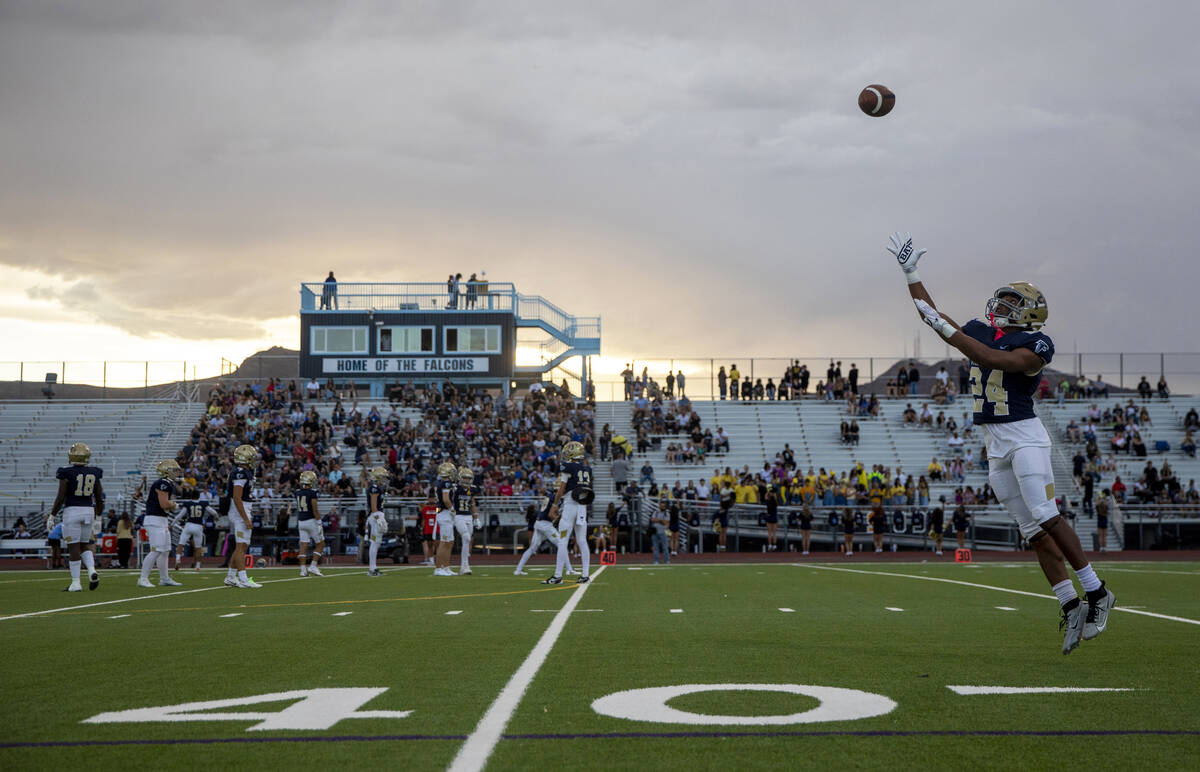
x,y
955,443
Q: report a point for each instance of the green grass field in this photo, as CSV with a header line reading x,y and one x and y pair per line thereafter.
x,y
440,651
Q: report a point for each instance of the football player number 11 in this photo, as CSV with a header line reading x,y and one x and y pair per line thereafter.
x,y
993,391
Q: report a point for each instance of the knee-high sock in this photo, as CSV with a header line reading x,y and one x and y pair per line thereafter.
x,y
465,557
164,565
564,556
148,565
374,550
74,566
581,538
89,560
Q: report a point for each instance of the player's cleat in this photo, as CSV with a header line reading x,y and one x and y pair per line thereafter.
x,y
94,581
303,572
552,580
1096,619
1072,623
582,580
168,582
145,583
315,571
571,572
465,572
74,587
520,573
374,572
230,582
248,584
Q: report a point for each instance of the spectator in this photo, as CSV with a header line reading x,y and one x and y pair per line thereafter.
x,y
935,470
910,415
722,379
734,377
329,299
647,473
680,381
1099,387
472,291
943,376
914,378
1189,444
1192,419
658,533
1143,388
964,377
620,473
670,381
1163,391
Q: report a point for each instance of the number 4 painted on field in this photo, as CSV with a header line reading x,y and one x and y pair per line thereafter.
x,y
315,709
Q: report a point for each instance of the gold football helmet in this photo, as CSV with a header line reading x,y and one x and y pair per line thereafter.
x,y
79,453
572,451
1019,304
446,471
308,479
466,476
245,455
168,470
379,474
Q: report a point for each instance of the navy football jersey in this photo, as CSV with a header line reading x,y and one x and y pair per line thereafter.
x,y
545,513
376,489
153,509
81,481
462,499
194,510
1002,397
305,497
577,475
240,476
442,486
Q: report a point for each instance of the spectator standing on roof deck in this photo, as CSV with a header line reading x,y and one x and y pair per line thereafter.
x,y
329,293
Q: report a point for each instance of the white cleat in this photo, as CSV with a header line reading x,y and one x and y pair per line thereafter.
x,y
465,572
571,572
520,573
168,582
75,587
145,583
231,582
315,571
303,574
249,584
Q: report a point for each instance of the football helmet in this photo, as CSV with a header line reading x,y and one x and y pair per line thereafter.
x,y
308,479
379,474
446,471
245,455
168,470
466,477
79,453
1019,304
572,451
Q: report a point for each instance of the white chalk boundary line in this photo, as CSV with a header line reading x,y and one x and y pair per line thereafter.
x,y
473,755
1168,617
164,595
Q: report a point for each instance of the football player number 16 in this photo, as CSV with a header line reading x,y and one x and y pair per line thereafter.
x,y
993,391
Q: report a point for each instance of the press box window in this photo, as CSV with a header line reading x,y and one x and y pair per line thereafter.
x,y
472,340
339,340
405,340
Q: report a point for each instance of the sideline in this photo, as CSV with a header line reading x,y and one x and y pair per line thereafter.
x,y
1167,617
478,748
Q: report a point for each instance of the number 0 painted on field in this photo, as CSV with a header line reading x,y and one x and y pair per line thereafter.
x,y
651,705
314,709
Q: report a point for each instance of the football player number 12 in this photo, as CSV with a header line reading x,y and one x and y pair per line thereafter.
x,y
993,391
84,484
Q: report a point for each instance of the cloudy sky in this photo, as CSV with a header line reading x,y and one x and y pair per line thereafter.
x,y
697,173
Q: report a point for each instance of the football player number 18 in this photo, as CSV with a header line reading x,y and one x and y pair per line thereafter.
x,y
993,391
84,484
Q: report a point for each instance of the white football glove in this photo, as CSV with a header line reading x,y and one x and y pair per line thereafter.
x,y
49,523
902,249
931,317
478,524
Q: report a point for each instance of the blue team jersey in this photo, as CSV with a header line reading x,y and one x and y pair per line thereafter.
x,y
240,476
577,475
81,481
305,498
442,486
377,490
545,513
153,509
1002,397
194,510
462,499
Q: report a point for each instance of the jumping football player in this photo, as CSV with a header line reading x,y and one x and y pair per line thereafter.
x,y
1007,355
443,492
192,516
569,511
542,532
81,500
466,516
376,522
308,521
160,502
237,492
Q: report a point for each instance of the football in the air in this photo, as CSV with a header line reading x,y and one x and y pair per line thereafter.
x,y
876,101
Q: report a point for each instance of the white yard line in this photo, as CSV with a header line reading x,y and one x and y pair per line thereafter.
x,y
1167,617
478,748
157,595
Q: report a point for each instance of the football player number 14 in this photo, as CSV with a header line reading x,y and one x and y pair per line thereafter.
x,y
993,391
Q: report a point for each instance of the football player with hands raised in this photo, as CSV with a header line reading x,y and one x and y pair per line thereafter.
x,y
1008,352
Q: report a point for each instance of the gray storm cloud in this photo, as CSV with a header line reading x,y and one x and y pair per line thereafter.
x,y
692,172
